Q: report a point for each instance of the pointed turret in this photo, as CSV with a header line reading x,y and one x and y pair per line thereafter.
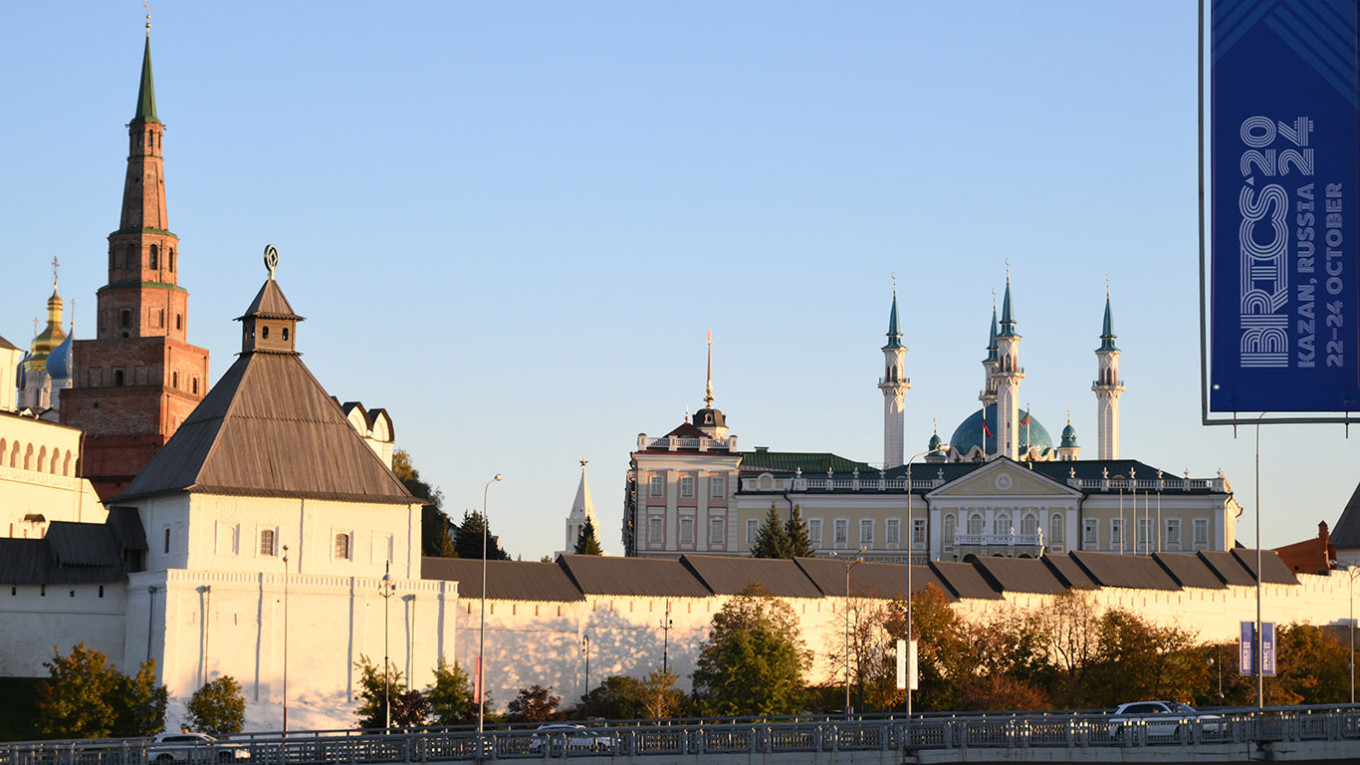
x,y
894,385
1007,317
582,510
146,91
710,419
1107,388
1008,374
1107,330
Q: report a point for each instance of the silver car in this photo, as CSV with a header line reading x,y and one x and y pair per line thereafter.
x,y
1162,718
557,737
193,748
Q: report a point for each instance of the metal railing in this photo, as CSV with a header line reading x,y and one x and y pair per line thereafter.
x,y
977,731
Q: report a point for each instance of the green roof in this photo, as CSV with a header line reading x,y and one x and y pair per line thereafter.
x,y
810,462
146,92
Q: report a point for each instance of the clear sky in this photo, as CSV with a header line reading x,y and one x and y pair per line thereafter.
x,y
511,224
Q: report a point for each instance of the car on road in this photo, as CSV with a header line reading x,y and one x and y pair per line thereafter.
x,y
1162,718
557,737
193,748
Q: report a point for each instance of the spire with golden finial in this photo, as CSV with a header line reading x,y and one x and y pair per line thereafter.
x,y
708,388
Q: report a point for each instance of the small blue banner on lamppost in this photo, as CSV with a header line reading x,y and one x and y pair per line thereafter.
x,y
1247,660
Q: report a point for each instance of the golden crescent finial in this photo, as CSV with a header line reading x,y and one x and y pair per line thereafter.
x,y
1008,270
894,278
1107,286
147,5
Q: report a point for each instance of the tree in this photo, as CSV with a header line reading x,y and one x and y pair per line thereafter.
x,y
467,543
451,696
86,697
800,544
533,704
379,689
621,697
435,540
658,695
218,708
753,660
772,541
586,541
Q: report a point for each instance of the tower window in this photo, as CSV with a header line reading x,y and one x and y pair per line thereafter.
x,y
155,260
179,321
167,540
170,259
174,380
160,318
118,377
125,318
264,332
285,334
342,546
195,384
130,257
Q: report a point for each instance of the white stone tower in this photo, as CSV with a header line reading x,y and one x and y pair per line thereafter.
x,y
1107,388
894,385
582,510
1008,375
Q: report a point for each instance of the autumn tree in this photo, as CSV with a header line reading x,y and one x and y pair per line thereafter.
x,y
753,660
86,697
533,704
218,708
772,540
467,543
379,690
435,539
587,543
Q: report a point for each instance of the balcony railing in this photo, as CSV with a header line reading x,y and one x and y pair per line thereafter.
x,y
998,540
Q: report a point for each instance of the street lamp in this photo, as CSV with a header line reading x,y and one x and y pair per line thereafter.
x,y
911,552
1352,572
285,638
481,637
849,564
385,589
666,625
585,651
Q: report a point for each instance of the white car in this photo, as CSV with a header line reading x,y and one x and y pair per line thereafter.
x,y
194,748
559,736
1162,718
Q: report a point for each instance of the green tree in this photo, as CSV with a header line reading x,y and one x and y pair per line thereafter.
x,y
451,696
772,540
435,539
467,542
378,691
140,703
86,697
800,544
586,541
617,698
533,704
218,708
76,701
658,695
1137,659
753,660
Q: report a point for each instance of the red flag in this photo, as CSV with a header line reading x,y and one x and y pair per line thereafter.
x,y
987,430
1026,420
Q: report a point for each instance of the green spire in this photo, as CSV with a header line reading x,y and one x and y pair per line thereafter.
x,y
894,334
1007,319
1107,331
991,339
146,92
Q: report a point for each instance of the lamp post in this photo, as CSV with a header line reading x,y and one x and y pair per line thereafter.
x,y
481,632
385,589
666,625
285,638
849,564
911,542
1352,572
585,651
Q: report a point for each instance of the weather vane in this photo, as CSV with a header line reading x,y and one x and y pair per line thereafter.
x,y
271,259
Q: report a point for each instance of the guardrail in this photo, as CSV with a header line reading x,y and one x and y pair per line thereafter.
x,y
1337,723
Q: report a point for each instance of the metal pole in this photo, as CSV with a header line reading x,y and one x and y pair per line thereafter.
x,y
585,649
666,624
285,638
481,632
1260,643
849,564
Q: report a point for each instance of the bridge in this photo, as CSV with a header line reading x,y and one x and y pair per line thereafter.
x,y
1317,734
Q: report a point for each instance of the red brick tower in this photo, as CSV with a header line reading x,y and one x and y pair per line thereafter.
x,y
139,378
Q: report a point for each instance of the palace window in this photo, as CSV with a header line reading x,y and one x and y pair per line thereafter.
x,y
717,486
815,531
892,532
267,539
686,531
752,531
1055,529
687,486
918,532
717,532
1144,533
1173,532
1201,531
950,526
342,551
841,532
1029,525
866,531
976,524
1116,533
1001,527
656,486
654,529
1090,533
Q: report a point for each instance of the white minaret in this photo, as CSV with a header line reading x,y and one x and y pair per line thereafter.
x,y
582,509
894,386
1008,375
1107,388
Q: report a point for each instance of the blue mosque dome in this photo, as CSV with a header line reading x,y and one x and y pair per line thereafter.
x,y
59,360
970,433
935,442
1069,436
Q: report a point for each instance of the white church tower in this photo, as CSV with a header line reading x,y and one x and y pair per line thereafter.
x,y
894,385
582,510
1107,388
1008,375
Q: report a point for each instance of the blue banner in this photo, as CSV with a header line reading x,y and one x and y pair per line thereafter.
x,y
1247,646
1284,172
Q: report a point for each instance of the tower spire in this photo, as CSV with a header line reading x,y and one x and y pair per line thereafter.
x,y
1008,373
1107,387
894,385
708,387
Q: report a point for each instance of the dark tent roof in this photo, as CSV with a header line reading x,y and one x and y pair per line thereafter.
x,y
505,580
1136,572
1273,570
1019,575
725,575
964,580
268,428
658,577
1189,570
1069,572
1346,532
83,544
1227,568
74,553
869,580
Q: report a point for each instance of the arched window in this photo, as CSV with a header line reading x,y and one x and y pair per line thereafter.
x,y
1001,526
130,256
125,318
118,377
285,334
170,259
342,546
1055,529
1029,524
195,383
179,321
56,461
949,525
66,465
975,523
174,379
14,455
264,332
110,258
28,457
155,260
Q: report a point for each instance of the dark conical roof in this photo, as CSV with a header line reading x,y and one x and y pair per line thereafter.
x,y
146,91
1107,329
270,303
268,428
1346,533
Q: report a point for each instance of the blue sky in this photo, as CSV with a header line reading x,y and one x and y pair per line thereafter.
x,y
511,224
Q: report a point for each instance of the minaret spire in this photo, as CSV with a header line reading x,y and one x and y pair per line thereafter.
x,y
1008,375
1107,387
894,385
